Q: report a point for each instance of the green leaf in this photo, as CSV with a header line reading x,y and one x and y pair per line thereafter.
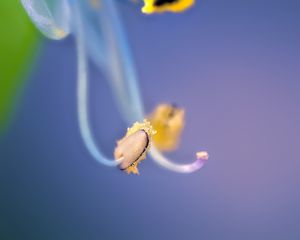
x,y
18,43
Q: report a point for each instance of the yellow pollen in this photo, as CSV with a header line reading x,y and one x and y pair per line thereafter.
x,y
169,122
134,146
202,155
151,6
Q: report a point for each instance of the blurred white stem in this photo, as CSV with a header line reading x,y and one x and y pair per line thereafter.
x,y
82,95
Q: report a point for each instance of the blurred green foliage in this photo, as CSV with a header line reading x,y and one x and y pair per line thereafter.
x,y
18,42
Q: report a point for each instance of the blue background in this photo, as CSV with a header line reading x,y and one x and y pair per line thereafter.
x,y
234,66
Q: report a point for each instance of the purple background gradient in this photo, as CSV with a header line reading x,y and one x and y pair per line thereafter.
x,y
234,66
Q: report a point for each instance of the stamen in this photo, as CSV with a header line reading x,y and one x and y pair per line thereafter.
x,y
134,146
168,120
159,6
123,64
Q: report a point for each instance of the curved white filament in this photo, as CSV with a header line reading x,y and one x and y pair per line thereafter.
x,y
160,159
51,17
120,67
82,95
95,46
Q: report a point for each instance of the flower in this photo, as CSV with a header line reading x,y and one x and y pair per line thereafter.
x,y
100,36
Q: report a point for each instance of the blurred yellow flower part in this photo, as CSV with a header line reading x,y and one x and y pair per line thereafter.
x,y
133,147
159,6
169,122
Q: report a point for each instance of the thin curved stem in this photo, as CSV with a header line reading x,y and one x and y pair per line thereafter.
x,y
160,159
95,46
120,66
82,95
